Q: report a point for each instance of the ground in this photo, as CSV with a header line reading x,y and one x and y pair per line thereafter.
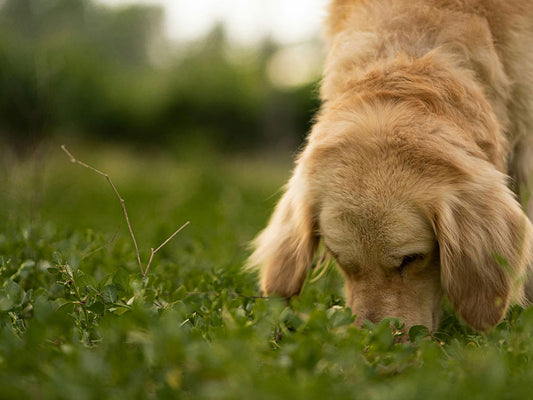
x,y
77,319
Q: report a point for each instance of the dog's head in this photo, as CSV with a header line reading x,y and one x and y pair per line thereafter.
x,y
411,211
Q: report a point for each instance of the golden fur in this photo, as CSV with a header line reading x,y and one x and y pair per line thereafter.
x,y
427,110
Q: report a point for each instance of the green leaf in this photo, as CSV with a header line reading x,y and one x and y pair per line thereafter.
x,y
42,307
418,332
110,293
58,258
14,291
122,279
52,270
6,301
97,308
179,294
119,310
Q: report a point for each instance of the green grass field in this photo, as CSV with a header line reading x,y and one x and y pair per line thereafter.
x,y
78,321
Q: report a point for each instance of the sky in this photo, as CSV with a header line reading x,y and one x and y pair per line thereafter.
x,y
247,21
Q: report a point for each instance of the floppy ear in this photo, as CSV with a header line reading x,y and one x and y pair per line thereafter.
x,y
485,248
284,250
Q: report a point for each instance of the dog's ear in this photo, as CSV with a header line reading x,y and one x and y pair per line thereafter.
x,y
485,248
284,250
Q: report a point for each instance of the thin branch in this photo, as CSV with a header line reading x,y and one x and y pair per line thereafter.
x,y
152,254
172,236
122,202
123,205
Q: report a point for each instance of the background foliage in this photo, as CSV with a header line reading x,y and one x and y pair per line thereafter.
x,y
73,67
78,320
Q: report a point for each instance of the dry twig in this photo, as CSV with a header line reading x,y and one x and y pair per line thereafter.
x,y
144,272
161,245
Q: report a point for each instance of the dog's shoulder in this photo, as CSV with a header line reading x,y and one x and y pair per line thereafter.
x,y
339,13
500,14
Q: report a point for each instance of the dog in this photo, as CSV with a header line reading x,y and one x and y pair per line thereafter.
x,y
412,173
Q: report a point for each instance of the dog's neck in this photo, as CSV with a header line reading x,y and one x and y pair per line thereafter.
x,y
444,74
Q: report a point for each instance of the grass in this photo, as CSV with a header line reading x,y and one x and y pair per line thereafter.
x,y
77,319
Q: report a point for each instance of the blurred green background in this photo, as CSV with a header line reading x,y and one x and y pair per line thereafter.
x,y
199,130
78,69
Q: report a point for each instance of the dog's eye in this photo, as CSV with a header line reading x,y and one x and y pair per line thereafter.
x,y
408,260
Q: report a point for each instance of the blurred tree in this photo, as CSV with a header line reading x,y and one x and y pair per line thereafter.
x,y
56,60
24,107
127,34
78,67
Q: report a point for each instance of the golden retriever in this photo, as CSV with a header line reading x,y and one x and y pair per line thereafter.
x,y
412,173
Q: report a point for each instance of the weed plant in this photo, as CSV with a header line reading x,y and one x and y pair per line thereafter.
x,y
78,319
